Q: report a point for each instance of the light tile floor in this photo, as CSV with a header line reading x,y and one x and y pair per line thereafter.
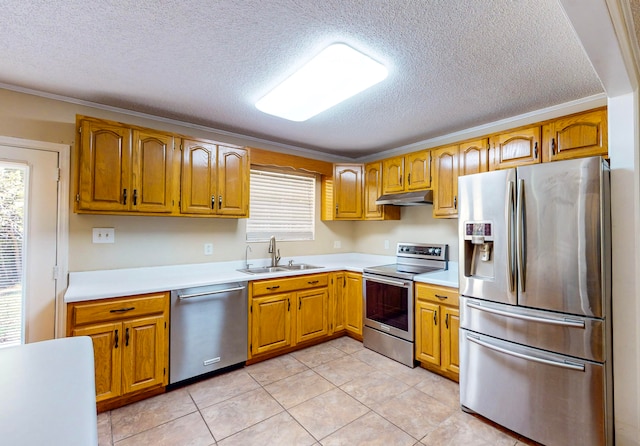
x,y
336,393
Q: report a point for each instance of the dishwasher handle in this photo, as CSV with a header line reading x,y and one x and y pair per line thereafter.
x,y
209,293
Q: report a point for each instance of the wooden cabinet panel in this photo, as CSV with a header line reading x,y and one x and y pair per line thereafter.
x,y
576,136
271,323
115,309
473,157
516,148
152,172
198,182
418,170
338,289
353,303
312,315
393,175
445,197
437,294
233,182
450,353
143,361
348,191
272,286
104,167
373,190
427,332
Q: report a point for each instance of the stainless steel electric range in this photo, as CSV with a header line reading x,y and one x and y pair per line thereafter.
x,y
389,301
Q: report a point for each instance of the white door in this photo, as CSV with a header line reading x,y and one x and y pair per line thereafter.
x,y
28,244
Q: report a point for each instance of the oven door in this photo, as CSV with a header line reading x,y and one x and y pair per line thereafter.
x,y
388,305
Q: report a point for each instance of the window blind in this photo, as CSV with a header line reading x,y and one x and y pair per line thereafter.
x,y
281,204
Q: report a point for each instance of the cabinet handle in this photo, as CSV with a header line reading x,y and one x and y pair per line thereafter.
x,y
439,296
135,197
122,310
273,287
124,196
126,337
535,150
116,338
313,282
455,202
220,202
446,321
553,146
288,305
435,318
213,202
299,303
409,178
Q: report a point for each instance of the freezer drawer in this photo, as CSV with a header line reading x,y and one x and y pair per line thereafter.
x,y
552,399
565,334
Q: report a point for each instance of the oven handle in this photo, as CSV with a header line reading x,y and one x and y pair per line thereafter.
x,y
388,281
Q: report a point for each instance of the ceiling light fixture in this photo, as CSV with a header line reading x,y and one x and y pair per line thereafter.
x,y
335,74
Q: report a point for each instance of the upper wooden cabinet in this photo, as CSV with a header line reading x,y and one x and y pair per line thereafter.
x,y
473,157
515,148
123,170
373,190
579,135
215,180
347,191
445,193
410,172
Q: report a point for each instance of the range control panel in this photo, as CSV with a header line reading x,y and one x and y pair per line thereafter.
x,y
425,251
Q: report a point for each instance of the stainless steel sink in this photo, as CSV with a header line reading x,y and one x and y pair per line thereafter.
x,y
276,269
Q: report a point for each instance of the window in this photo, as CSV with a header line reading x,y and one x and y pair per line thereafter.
x,y
281,204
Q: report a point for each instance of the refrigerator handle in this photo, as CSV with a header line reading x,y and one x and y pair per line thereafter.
x,y
520,242
510,258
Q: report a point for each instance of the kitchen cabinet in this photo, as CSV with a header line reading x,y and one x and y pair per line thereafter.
x,y
373,190
517,147
473,157
437,323
130,342
445,193
347,191
214,180
337,297
411,172
575,136
288,311
123,170
353,304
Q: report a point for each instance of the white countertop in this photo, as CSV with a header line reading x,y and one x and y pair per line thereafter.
x,y
47,394
126,282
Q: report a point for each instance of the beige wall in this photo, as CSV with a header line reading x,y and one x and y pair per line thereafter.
x,y
152,241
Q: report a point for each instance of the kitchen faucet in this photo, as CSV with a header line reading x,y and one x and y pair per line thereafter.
x,y
246,256
275,253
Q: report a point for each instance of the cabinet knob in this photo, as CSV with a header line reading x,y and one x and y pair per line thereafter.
x,y
116,346
124,196
435,318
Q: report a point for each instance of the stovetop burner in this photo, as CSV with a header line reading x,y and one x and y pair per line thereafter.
x,y
413,259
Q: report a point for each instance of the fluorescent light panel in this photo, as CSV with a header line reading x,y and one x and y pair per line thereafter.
x,y
335,74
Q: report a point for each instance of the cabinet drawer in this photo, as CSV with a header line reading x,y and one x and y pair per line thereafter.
x,y
115,309
291,284
435,293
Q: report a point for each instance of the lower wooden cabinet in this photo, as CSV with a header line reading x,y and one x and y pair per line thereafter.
x,y
353,304
336,302
130,341
270,326
437,323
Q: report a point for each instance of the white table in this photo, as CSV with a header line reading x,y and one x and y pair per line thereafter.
x,y
47,394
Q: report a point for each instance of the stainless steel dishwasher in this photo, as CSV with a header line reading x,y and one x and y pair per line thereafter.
x,y
208,329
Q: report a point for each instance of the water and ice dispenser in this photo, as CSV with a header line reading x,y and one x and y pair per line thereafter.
x,y
478,240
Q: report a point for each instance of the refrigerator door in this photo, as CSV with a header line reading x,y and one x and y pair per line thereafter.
x,y
488,199
559,222
549,398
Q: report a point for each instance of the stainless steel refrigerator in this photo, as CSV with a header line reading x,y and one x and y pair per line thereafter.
x,y
535,286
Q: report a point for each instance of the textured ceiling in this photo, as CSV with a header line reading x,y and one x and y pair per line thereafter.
x,y
453,64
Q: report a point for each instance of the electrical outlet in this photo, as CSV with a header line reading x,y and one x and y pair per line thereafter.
x,y
104,235
208,249
386,244
337,244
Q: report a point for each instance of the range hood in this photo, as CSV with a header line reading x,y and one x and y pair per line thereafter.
x,y
407,198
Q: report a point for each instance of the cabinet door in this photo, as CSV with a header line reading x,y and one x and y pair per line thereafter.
x,y
104,167
312,315
143,348
152,172
450,321
233,182
445,196
353,303
516,148
473,157
427,332
107,347
338,290
393,175
576,136
198,181
418,170
348,191
271,323
373,190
